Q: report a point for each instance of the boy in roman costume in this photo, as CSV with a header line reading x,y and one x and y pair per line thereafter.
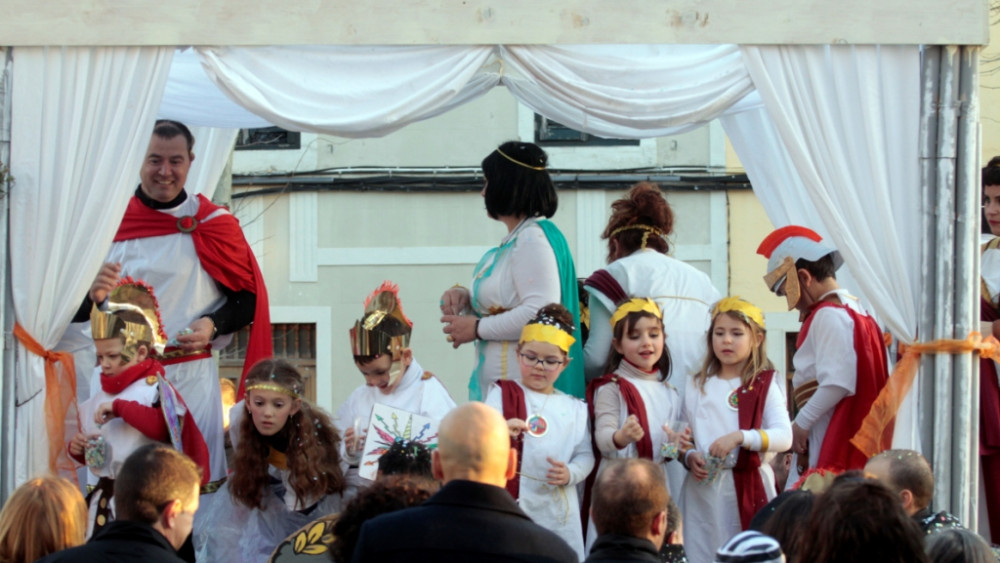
x,y
131,404
380,343
840,359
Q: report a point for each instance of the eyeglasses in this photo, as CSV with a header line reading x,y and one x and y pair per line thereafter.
x,y
548,364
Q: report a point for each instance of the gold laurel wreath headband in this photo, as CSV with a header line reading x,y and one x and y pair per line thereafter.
x,y
740,306
547,333
635,305
518,162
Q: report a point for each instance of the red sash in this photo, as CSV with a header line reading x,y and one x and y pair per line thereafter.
x,y
837,453
514,407
633,405
750,493
224,254
989,393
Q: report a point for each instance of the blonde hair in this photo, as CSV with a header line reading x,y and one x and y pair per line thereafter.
x,y
43,516
756,363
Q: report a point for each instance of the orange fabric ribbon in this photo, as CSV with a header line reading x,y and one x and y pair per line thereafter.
x,y
60,398
884,408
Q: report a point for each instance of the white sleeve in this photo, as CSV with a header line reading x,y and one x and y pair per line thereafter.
x,y
494,398
832,335
823,400
774,422
535,276
608,406
598,346
582,461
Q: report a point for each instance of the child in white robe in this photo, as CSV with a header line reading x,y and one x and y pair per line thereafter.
x,y
548,427
380,345
633,404
736,408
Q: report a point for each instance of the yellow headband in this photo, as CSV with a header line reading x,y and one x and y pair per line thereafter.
x,y
272,387
735,304
547,333
635,305
519,163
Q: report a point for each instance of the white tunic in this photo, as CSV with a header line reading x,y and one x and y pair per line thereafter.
x,y
185,292
426,397
662,403
519,278
121,438
711,512
827,356
567,440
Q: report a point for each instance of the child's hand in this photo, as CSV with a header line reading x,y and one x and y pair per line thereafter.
x,y
696,465
687,439
106,280
454,301
726,444
352,441
515,426
630,432
558,474
78,444
104,413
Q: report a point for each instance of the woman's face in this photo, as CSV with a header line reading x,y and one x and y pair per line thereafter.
x,y
991,207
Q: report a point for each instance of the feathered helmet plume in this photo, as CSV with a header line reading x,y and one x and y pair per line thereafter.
x,y
383,329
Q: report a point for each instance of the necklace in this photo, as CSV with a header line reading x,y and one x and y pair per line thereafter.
x,y
537,425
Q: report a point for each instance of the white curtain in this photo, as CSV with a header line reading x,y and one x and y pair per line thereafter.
x,y
191,98
627,91
848,117
350,91
81,124
212,147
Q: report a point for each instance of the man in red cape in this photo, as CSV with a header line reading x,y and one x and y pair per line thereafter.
x,y
840,359
207,279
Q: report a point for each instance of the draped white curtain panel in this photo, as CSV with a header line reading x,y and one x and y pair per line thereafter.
x,y
829,138
81,120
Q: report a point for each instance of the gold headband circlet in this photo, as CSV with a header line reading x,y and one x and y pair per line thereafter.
x,y
649,230
736,305
635,305
273,387
519,163
537,332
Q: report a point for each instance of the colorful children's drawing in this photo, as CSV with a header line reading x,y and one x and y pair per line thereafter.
x,y
388,425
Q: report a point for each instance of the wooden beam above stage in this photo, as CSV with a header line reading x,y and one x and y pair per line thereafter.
x,y
457,22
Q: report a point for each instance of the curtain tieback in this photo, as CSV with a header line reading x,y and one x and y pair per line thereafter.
x,y
60,397
887,403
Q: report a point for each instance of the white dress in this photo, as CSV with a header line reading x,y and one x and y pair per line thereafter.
x,y
567,439
418,392
226,531
711,512
662,403
185,292
510,284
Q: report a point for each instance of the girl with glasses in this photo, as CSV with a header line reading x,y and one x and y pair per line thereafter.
x,y
548,428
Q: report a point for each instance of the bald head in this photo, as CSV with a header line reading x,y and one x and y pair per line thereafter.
x,y
474,445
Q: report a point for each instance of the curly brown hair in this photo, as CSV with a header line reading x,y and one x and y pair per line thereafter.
x,y
387,495
312,453
645,205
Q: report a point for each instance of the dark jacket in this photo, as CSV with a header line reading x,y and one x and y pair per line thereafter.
x,y
465,521
613,547
121,541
